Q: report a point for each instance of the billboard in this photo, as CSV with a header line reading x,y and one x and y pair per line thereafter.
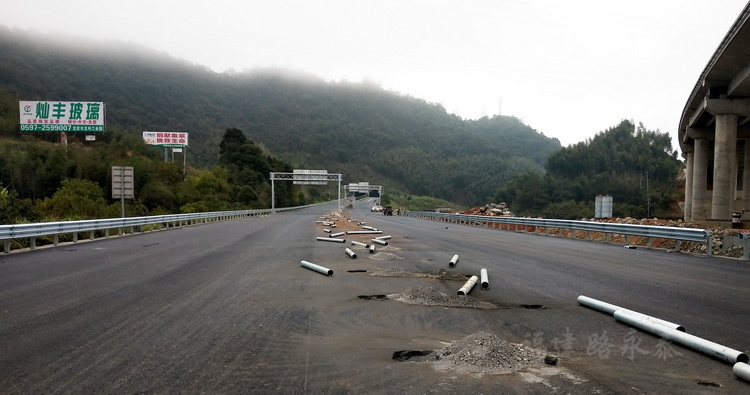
x,y
166,139
62,116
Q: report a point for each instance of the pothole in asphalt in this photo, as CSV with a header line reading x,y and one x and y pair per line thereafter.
x,y
373,297
357,271
707,383
412,355
532,306
427,296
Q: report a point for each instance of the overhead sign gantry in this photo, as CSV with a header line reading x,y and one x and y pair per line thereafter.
x,y
305,177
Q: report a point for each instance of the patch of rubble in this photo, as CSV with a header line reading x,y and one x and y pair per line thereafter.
x,y
492,209
385,256
441,274
484,352
427,296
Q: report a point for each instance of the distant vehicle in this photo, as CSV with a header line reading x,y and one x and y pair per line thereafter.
x,y
376,209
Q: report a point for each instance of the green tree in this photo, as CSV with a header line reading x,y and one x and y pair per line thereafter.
x,y
76,199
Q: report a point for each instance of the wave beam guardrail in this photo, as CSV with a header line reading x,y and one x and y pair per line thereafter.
x,y
650,232
9,233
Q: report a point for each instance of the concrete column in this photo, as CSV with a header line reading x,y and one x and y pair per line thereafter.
x,y
725,158
700,178
689,187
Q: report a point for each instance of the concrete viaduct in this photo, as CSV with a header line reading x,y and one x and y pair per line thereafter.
x,y
714,131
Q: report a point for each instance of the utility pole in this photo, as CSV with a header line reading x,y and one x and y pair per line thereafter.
x,y
648,199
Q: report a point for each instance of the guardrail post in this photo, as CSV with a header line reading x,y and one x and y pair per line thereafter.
x,y
745,250
6,245
627,240
606,237
677,245
91,236
106,233
709,244
650,242
56,239
32,242
588,235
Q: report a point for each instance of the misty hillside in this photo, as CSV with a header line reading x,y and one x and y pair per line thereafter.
x,y
362,131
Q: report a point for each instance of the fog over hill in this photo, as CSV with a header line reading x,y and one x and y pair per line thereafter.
x,y
358,129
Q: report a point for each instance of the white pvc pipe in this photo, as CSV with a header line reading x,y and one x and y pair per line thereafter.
x,y
453,261
337,234
360,244
317,268
381,242
468,286
742,370
610,309
485,282
326,230
331,239
696,343
350,253
364,232
367,227
383,237
372,248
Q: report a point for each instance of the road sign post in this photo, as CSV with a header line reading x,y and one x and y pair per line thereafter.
x,y
122,185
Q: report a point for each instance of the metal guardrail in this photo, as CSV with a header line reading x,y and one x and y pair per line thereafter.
x,y
650,232
8,233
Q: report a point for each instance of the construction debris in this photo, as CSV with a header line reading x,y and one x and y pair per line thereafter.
x,y
492,210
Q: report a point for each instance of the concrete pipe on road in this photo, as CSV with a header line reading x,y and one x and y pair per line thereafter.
x,y
610,309
485,281
453,261
696,343
468,286
317,268
742,370
334,240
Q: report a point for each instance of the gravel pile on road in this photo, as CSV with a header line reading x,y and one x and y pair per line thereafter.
x,y
441,274
483,352
427,296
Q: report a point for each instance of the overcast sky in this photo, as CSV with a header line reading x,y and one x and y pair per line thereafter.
x,y
568,69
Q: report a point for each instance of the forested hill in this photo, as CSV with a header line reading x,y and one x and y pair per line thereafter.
x,y
360,130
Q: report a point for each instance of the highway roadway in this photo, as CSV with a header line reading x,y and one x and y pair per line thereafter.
x,y
225,307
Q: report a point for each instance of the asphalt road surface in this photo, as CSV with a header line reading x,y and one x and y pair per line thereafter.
x,y
225,307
